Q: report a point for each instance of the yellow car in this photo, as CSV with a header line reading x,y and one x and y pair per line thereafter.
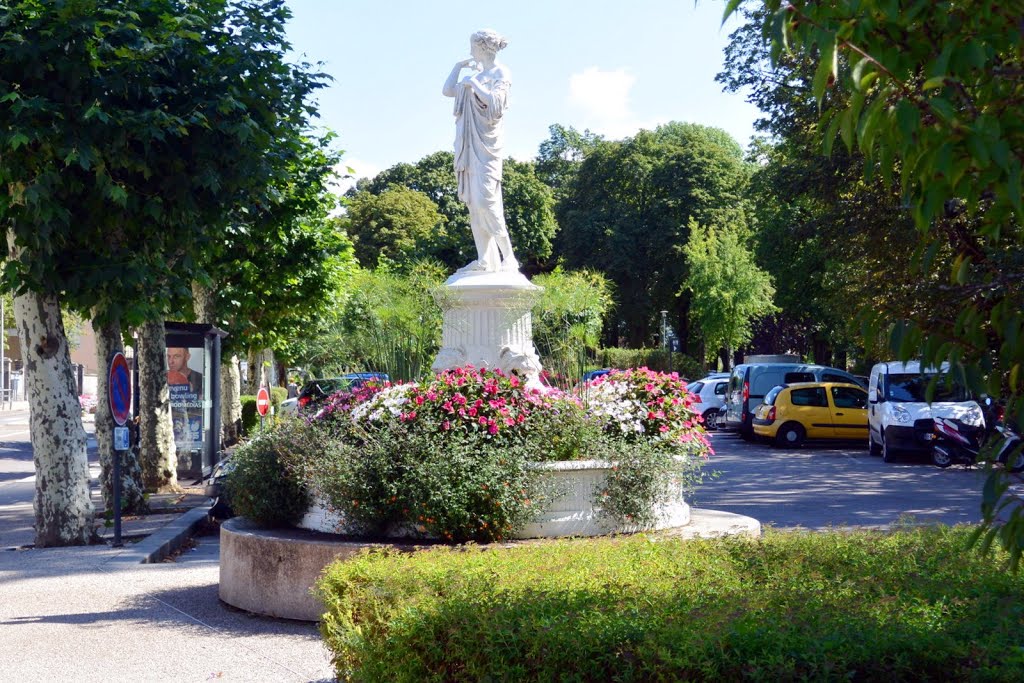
x,y
792,413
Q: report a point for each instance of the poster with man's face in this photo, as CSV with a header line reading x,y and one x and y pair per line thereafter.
x,y
185,381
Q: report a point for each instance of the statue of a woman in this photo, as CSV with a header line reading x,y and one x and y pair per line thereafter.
x,y
480,102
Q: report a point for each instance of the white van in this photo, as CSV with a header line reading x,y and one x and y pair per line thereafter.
x,y
899,418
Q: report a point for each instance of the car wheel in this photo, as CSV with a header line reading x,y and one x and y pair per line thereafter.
x,y
790,435
887,453
711,419
873,447
220,509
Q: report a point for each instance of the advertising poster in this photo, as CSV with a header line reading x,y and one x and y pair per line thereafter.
x,y
186,385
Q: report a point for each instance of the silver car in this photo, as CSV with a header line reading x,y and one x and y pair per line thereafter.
x,y
710,394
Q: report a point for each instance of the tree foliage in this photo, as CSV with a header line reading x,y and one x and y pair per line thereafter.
x,y
560,156
129,132
568,319
398,225
727,289
834,242
387,321
529,209
627,210
281,263
933,96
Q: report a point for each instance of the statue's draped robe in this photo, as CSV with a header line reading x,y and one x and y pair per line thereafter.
x,y
479,139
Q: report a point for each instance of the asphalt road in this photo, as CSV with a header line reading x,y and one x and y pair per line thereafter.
x,y
826,485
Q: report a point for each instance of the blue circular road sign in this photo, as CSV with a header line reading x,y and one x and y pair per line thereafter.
x,y
119,388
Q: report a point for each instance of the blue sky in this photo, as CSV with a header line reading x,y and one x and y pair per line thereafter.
x,y
611,66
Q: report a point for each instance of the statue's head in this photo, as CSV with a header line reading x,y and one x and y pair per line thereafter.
x,y
488,40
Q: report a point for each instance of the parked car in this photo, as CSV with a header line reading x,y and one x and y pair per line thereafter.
x,y
313,392
220,506
289,406
750,382
792,413
899,416
710,397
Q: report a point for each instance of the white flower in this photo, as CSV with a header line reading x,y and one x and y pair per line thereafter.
x,y
389,399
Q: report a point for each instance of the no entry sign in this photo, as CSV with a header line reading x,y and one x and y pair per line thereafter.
x,y
263,401
119,389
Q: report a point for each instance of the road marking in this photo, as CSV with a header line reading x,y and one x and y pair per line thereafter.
x,y
19,481
20,431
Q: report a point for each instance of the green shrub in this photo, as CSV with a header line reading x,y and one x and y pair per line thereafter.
x,y
907,606
250,418
277,394
655,359
264,485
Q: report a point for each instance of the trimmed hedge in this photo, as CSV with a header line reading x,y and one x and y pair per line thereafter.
x,y
655,359
910,605
277,395
250,418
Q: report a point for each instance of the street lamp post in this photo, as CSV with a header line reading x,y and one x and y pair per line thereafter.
x,y
664,340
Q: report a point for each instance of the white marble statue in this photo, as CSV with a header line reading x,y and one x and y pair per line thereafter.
x,y
481,99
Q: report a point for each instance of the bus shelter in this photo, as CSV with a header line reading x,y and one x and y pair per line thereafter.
x,y
193,376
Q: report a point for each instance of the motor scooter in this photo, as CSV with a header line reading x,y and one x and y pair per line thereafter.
x,y
955,442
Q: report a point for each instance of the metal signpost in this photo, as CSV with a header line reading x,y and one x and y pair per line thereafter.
x,y
262,404
119,391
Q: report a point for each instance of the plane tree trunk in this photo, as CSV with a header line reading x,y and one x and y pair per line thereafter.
x,y
64,513
156,434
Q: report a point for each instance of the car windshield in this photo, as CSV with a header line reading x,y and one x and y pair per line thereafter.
x,y
913,388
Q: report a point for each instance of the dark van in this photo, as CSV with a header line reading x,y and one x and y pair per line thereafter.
x,y
749,382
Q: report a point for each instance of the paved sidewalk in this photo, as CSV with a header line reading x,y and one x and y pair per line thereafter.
x,y
97,613
81,614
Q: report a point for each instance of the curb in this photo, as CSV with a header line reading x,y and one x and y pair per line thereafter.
x,y
159,545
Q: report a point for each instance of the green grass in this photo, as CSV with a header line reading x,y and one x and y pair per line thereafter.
x,y
910,605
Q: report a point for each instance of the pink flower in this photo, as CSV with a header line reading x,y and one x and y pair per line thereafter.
x,y
482,420
663,428
419,399
493,429
509,421
446,425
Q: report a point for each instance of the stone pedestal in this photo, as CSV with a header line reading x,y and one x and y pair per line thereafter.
x,y
487,323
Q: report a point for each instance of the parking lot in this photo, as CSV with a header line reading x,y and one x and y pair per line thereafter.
x,y
826,485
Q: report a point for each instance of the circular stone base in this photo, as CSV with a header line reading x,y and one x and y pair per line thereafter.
x,y
272,571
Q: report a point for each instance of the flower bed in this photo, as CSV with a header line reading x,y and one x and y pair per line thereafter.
x,y
463,456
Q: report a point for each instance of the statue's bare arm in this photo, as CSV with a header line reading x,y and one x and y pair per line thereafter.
x,y
449,85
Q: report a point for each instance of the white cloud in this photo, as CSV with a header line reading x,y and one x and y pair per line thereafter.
x,y
602,100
